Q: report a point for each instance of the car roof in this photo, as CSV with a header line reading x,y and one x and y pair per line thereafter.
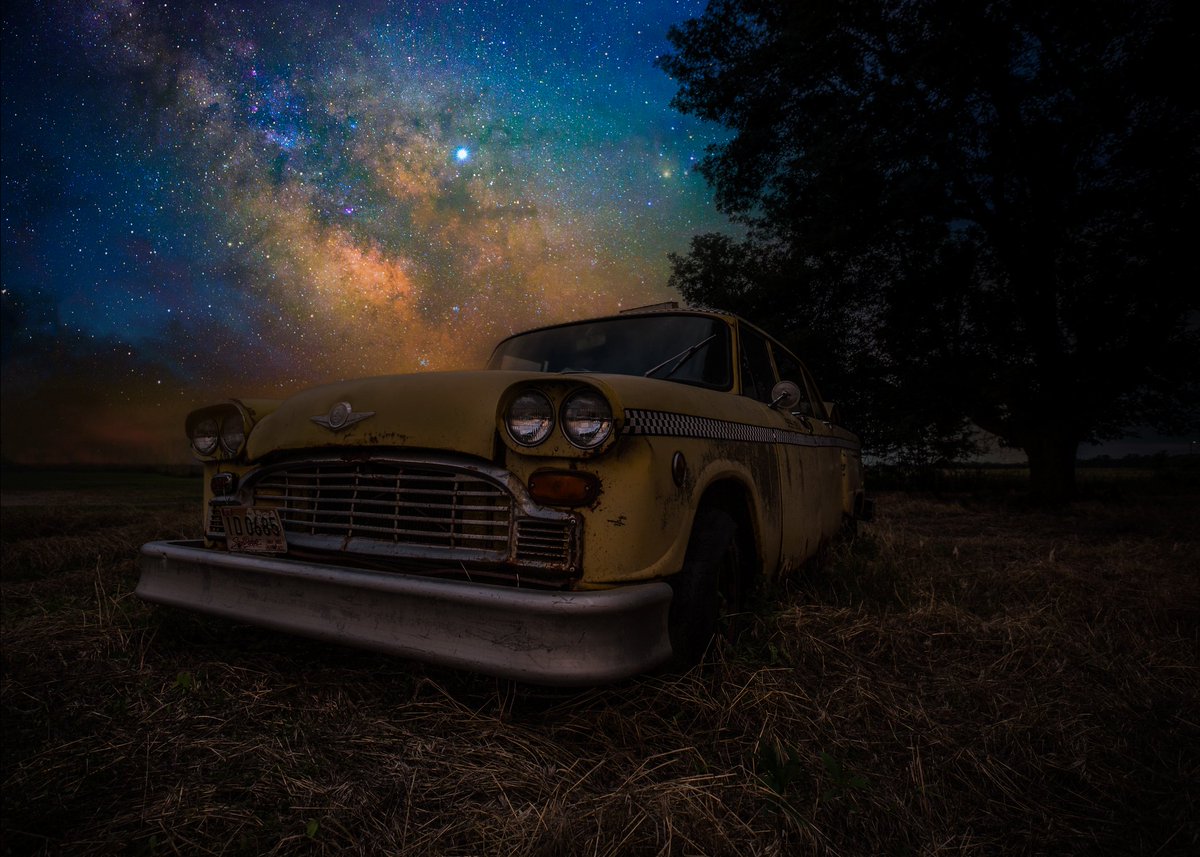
x,y
668,308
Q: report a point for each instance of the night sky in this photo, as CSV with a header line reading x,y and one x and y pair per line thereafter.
x,y
212,200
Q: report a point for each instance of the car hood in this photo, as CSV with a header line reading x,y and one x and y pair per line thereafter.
x,y
432,410
455,411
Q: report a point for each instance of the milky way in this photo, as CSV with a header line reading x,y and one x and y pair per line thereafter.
x,y
217,200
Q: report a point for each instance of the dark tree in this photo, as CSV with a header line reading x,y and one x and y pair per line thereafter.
x,y
962,212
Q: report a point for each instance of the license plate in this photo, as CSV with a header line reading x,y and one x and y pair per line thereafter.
x,y
253,530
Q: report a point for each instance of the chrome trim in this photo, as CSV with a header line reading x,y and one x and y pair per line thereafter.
x,y
544,637
444,509
341,416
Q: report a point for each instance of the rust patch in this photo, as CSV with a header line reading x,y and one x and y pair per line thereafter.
x,y
387,438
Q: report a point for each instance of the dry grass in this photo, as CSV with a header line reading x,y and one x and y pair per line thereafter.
x,y
970,677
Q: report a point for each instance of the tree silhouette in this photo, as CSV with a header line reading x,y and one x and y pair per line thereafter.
x,y
961,213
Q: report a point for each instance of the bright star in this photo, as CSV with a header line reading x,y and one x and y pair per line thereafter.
x,y
463,153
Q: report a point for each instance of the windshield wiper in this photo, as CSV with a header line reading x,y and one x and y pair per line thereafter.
x,y
679,359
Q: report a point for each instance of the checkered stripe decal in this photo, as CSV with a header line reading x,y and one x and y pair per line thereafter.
x,y
667,424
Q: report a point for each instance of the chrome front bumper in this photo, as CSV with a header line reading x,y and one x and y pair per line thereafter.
x,y
538,636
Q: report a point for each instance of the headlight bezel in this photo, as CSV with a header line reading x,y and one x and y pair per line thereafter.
x,y
562,394
218,432
233,433
566,421
208,428
541,400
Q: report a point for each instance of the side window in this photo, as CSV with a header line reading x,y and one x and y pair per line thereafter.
x,y
790,370
758,376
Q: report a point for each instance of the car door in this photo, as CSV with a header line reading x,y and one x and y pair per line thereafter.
x,y
761,439
812,474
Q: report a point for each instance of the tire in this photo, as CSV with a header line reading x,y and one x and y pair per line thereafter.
x,y
709,586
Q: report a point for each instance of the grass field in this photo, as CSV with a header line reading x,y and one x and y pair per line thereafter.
x,y
972,676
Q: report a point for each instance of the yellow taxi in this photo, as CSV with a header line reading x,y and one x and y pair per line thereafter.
x,y
581,510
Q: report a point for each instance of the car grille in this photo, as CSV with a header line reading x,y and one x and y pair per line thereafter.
x,y
397,509
542,541
394,504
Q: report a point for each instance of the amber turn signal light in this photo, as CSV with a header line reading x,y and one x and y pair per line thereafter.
x,y
564,487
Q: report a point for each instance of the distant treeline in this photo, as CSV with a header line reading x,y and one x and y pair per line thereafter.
x,y
181,470
1157,460
1158,471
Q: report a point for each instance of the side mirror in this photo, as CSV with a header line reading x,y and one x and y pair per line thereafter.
x,y
785,395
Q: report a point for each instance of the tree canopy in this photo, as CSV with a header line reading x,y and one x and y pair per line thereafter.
x,y
960,213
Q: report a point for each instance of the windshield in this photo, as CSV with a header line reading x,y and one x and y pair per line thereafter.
x,y
691,349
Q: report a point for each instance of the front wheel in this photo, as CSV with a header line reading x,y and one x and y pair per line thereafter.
x,y
710,584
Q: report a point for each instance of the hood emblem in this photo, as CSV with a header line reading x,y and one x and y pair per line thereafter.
x,y
341,416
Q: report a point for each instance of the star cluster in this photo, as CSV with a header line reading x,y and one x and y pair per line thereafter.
x,y
210,200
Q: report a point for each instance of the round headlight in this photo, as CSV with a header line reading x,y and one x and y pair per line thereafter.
x,y
530,418
233,433
587,419
205,436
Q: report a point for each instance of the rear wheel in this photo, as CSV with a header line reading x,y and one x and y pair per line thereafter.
x,y
711,585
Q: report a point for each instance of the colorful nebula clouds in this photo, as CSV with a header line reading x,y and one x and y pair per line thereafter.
x,y
212,200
